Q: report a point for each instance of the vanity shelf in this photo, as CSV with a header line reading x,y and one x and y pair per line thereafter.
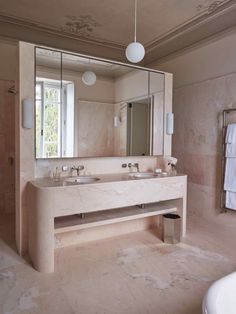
x,y
101,218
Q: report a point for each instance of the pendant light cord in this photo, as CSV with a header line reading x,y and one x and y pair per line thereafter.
x,y
135,51
135,20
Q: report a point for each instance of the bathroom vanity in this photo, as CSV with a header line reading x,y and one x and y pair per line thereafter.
x,y
109,199
121,119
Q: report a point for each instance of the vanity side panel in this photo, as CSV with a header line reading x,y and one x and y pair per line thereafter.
x,y
41,229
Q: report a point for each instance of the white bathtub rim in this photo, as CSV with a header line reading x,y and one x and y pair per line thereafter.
x,y
220,297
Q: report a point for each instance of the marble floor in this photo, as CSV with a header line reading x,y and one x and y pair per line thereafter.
x,y
133,274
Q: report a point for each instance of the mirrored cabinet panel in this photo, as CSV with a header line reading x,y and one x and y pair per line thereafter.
x,y
85,107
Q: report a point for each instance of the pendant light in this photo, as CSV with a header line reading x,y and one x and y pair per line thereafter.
x,y
135,51
89,78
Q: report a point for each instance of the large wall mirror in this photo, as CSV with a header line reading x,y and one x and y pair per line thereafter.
x,y
86,107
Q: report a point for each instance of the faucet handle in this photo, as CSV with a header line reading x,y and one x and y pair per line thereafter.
x,y
124,165
136,165
78,169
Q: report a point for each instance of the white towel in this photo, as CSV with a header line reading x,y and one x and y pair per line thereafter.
x,y
230,150
230,175
230,200
231,133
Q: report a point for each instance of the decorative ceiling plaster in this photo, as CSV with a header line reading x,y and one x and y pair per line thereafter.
x,y
106,26
209,6
82,25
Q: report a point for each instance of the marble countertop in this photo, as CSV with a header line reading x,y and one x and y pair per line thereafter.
x,y
103,178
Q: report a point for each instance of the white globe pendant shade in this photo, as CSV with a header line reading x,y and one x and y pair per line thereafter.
x,y
135,52
89,78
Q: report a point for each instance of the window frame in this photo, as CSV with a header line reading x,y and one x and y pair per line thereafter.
x,y
62,119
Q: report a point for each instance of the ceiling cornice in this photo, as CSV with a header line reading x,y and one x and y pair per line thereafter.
x,y
205,25
204,18
45,28
194,33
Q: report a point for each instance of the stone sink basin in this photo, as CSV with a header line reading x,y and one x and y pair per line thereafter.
x,y
81,180
142,175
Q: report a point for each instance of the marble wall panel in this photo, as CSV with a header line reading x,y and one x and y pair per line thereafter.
x,y
203,200
95,129
7,148
44,167
24,144
197,141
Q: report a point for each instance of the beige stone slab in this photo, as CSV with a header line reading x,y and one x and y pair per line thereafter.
x,y
96,197
81,237
41,226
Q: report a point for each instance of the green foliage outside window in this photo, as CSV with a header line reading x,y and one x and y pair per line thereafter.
x,y
51,121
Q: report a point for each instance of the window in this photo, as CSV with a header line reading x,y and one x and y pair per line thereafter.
x,y
51,122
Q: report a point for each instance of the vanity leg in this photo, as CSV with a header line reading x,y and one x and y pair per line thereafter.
x,y
41,230
141,206
81,216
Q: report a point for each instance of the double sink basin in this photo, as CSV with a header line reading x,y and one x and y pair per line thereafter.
x,y
92,179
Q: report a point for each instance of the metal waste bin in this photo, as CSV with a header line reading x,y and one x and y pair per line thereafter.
x,y
171,228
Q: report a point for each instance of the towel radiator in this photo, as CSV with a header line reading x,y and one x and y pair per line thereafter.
x,y
226,113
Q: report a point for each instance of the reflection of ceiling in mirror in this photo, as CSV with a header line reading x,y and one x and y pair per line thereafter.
x,y
52,59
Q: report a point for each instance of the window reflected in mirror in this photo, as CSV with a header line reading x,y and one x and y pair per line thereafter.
x,y
54,114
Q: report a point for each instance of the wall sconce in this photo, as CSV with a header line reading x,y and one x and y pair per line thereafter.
x,y
117,121
27,113
169,123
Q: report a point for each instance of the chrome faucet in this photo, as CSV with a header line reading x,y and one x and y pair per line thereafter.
x,y
78,169
135,165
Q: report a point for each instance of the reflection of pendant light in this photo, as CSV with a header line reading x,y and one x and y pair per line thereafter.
x,y
89,78
135,51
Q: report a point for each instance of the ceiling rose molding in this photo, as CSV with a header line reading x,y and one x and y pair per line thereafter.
x,y
80,25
